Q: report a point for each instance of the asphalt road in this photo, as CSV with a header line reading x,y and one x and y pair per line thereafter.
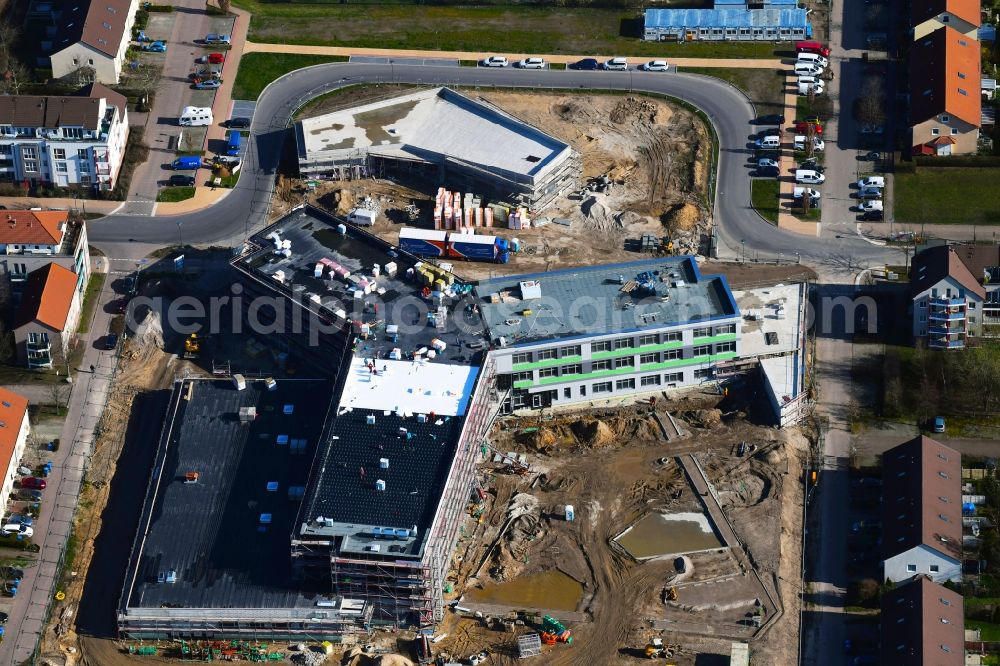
x,y
742,231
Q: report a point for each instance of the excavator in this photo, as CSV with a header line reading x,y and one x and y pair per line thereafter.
x,y
192,346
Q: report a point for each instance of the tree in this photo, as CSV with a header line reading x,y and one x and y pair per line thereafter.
x,y
871,103
864,592
80,77
225,6
143,79
15,76
6,343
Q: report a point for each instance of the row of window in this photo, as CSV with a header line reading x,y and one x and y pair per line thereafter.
x,y
647,381
621,343
742,32
622,362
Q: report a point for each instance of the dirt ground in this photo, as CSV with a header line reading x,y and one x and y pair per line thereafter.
x,y
654,155
615,467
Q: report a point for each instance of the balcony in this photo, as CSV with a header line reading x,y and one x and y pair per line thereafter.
x,y
940,343
947,315
38,348
947,302
937,329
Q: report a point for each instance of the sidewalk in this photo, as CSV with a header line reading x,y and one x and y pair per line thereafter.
x,y
786,220
54,524
46,203
731,63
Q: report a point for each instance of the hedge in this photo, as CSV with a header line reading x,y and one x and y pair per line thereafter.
x,y
958,161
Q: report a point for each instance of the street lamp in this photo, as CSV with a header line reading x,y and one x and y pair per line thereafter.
x,y
743,250
180,237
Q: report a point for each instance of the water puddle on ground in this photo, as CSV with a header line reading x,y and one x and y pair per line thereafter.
x,y
669,534
549,590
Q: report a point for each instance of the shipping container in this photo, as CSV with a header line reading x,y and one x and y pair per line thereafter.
x,y
423,242
477,247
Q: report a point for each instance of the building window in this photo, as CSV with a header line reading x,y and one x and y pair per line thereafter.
x,y
602,387
945,118
935,131
31,165
567,393
548,372
600,346
954,131
61,167
58,153
522,376
546,354
923,318
702,350
674,377
569,351
29,152
624,384
521,357
672,355
648,340
649,358
923,304
85,179
650,380
624,362
73,132
703,332
674,336
597,366
971,305
703,373
84,167
934,568
945,18
624,343
81,153
576,369
725,347
583,389
725,330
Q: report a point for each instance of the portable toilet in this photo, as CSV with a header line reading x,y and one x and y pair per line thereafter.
x,y
570,513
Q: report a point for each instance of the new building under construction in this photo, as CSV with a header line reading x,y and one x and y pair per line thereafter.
x,y
440,137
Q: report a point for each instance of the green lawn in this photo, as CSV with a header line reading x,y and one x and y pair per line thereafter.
x,y
990,631
94,287
259,69
175,193
948,196
764,197
489,29
764,87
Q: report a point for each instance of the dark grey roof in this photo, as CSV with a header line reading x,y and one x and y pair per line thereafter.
x,y
210,532
922,625
418,467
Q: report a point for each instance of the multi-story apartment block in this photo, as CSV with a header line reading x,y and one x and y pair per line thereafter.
x,y
47,317
602,332
91,35
14,431
72,140
947,299
30,240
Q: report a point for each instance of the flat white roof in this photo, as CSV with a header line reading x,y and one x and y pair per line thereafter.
x,y
763,303
783,373
433,126
409,387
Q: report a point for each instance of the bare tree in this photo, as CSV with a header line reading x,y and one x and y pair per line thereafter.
x,y
143,79
15,76
225,6
80,77
871,102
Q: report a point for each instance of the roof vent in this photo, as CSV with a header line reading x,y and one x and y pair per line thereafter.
x,y
107,25
383,463
380,485
288,409
191,477
6,404
370,419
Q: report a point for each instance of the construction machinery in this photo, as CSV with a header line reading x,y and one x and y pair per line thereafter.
x,y
672,594
555,627
656,649
192,346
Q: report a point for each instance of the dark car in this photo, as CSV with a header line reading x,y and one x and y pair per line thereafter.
x,y
111,341
33,482
11,573
771,119
586,63
873,216
3,618
238,123
28,495
180,180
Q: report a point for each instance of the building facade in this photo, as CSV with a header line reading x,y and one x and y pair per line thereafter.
x,y
97,40
30,240
668,330
76,140
727,23
947,300
922,511
47,317
922,622
14,431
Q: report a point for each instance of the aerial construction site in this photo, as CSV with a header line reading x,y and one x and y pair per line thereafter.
x,y
415,464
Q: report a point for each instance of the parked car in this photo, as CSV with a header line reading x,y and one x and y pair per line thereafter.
x,y
873,216
872,181
532,63
869,193
812,47
155,47
208,84
809,176
111,341
180,180
867,206
19,529
494,61
799,143
213,39
33,483
812,58
186,163
216,58
655,66
770,119
798,192
29,495
939,424
807,69
3,618
767,163
20,518
616,64
238,123
802,126
872,129
586,64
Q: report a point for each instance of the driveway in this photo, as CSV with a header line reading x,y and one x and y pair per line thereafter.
x,y
187,23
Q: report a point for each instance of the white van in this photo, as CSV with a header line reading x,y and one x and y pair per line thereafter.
x,y
814,58
769,142
195,116
807,69
361,217
799,143
872,181
808,88
809,176
616,64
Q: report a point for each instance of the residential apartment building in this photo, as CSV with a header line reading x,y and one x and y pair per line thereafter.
x,y
14,431
922,623
72,140
92,35
30,240
922,511
947,299
602,332
926,16
945,102
47,317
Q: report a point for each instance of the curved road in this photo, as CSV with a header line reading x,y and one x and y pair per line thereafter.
x,y
741,229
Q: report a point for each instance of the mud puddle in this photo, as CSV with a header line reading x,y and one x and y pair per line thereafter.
x,y
669,534
551,590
